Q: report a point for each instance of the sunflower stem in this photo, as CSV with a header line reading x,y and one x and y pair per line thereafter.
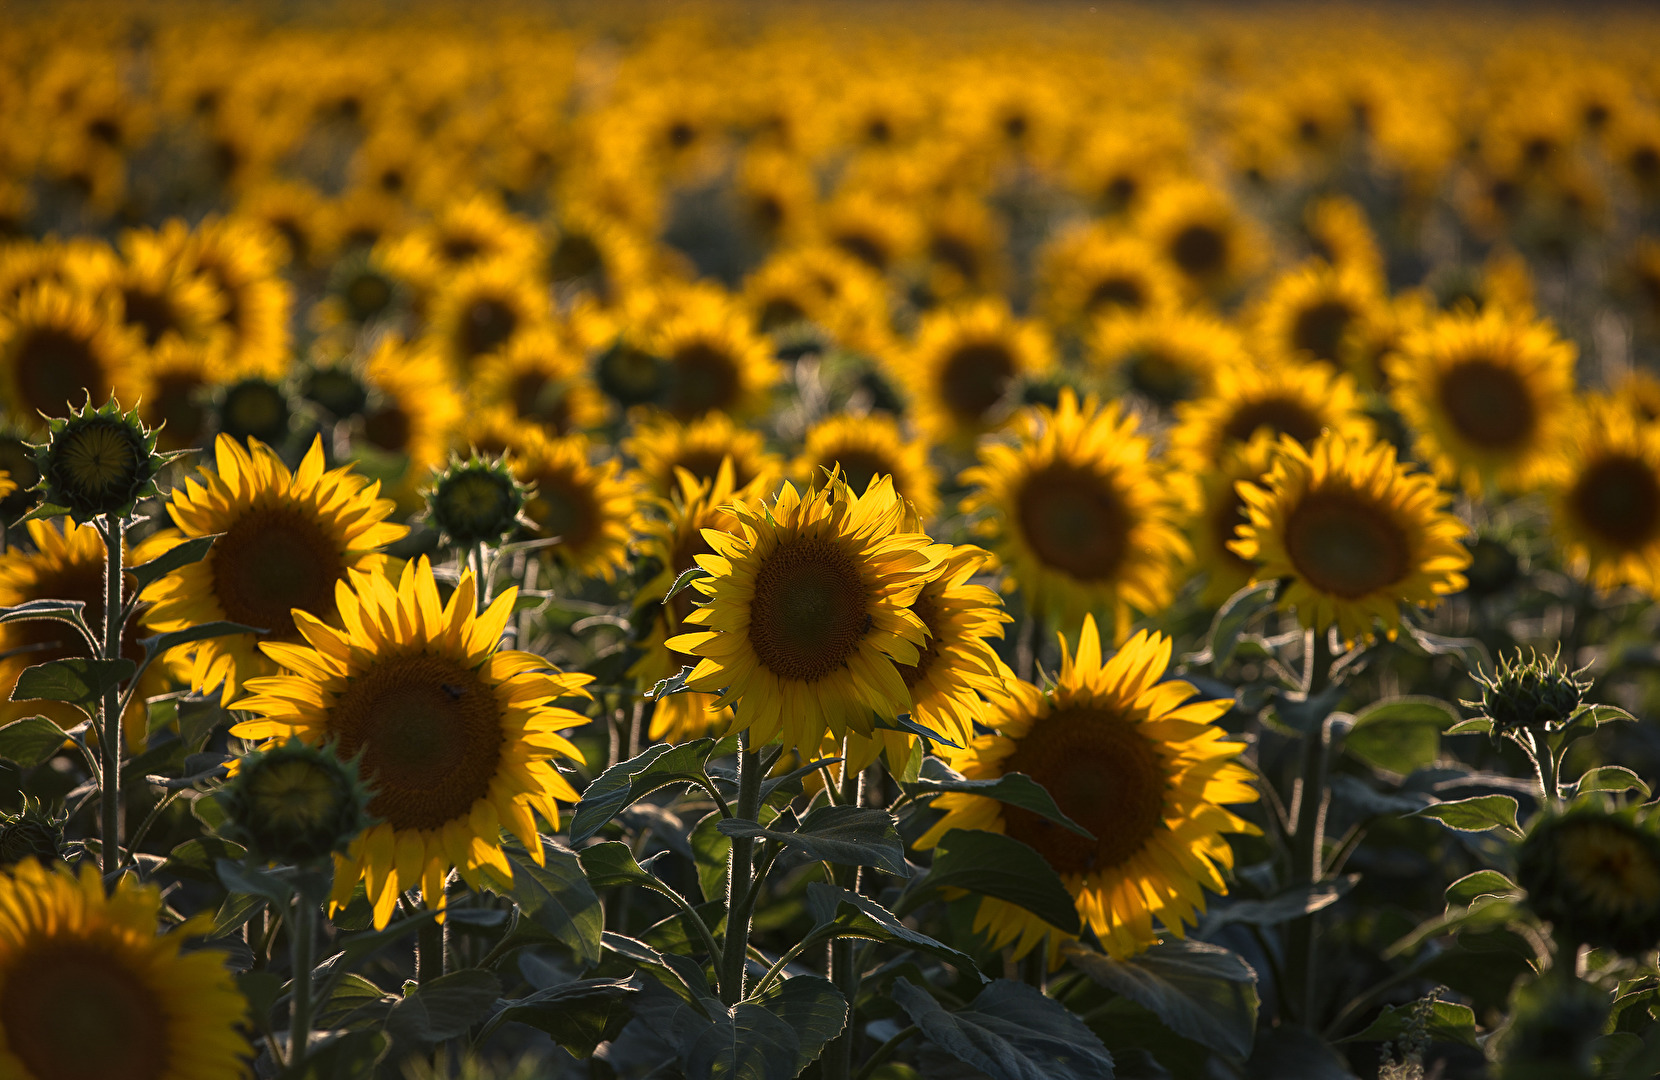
x,y
1308,841
109,738
739,893
302,942
429,952
844,971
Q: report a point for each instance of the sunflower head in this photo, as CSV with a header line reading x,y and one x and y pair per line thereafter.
x,y
1556,1022
255,408
1530,691
1594,874
31,833
294,804
477,501
98,462
338,389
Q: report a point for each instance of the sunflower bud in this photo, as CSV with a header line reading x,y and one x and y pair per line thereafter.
x,y
295,803
96,462
30,834
1555,1022
1594,874
476,501
1528,693
255,408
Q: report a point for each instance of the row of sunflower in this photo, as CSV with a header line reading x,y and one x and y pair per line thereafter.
x,y
727,544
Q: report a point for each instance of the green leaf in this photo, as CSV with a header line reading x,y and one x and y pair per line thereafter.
x,y
903,722
1291,904
30,741
579,1015
1486,912
993,864
445,1008
157,644
815,1010
1016,789
1470,650
674,684
558,899
1476,725
72,612
355,1003
628,781
612,863
44,511
1401,734
191,551
79,680
1010,1032
712,851
1463,892
197,858
1231,619
261,989
849,835
1448,1023
1480,813
1615,778
638,956
839,912
684,581
749,1043
254,882
1201,991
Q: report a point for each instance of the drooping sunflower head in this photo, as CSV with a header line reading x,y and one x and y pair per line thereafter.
x,y
865,447
289,538
662,447
1489,397
589,505
476,501
1132,759
1298,400
1076,510
59,348
1355,533
964,367
809,612
89,989
1605,504
541,380
1594,874
453,734
98,462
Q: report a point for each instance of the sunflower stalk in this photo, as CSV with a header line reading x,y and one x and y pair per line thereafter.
x,y
109,736
741,890
302,935
844,971
1308,841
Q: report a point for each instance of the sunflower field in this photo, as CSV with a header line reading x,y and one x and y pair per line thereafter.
x,y
859,541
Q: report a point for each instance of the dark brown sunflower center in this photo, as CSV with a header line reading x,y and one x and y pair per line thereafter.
x,y
703,379
367,295
1199,251
430,732
1075,521
389,428
932,613
810,609
565,508
864,246
1277,415
1116,292
56,368
177,401
576,256
1319,329
459,247
1618,499
538,397
957,253
1103,774
974,379
486,325
152,312
1160,376
1488,404
73,1010
1346,545
779,312
271,561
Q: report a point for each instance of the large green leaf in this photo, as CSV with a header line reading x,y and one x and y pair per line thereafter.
x,y
1401,734
996,865
558,899
355,1003
1010,1032
839,912
1614,778
1480,813
1291,904
579,1015
444,1008
1232,618
748,1043
1200,991
30,741
1447,1022
684,979
850,835
815,1010
1016,789
79,680
628,781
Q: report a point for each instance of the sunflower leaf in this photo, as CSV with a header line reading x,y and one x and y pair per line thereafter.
x,y
1201,991
1001,866
1480,813
558,899
30,741
839,912
1016,789
677,974
1448,1022
1464,891
1615,778
191,551
579,1015
42,512
1010,1032
79,680
1230,622
684,581
674,684
1294,903
443,1008
1400,734
158,644
1470,650
72,612
815,1010
749,1042
903,722
850,835
631,780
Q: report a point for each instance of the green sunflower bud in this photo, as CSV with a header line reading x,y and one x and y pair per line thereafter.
x,y
1594,874
255,408
30,834
1530,692
1555,1022
96,462
295,803
476,501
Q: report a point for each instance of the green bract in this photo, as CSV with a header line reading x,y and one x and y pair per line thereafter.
x,y
476,501
1535,691
31,833
96,462
295,804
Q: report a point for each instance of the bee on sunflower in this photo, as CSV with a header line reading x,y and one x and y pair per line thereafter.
x,y
1075,508
454,733
1354,533
1605,502
1133,759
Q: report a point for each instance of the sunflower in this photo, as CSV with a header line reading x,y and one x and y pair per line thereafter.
x,y
1316,314
966,249
1299,400
287,208
809,613
541,380
1088,273
58,348
878,231
964,366
412,412
590,507
243,259
1217,511
1340,234
89,989
1606,504
67,563
713,360
865,447
1124,757
1166,355
1489,397
483,309
1353,533
822,285
288,539
465,232
1076,510
1197,231
673,542
662,447
155,293
178,381
454,734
